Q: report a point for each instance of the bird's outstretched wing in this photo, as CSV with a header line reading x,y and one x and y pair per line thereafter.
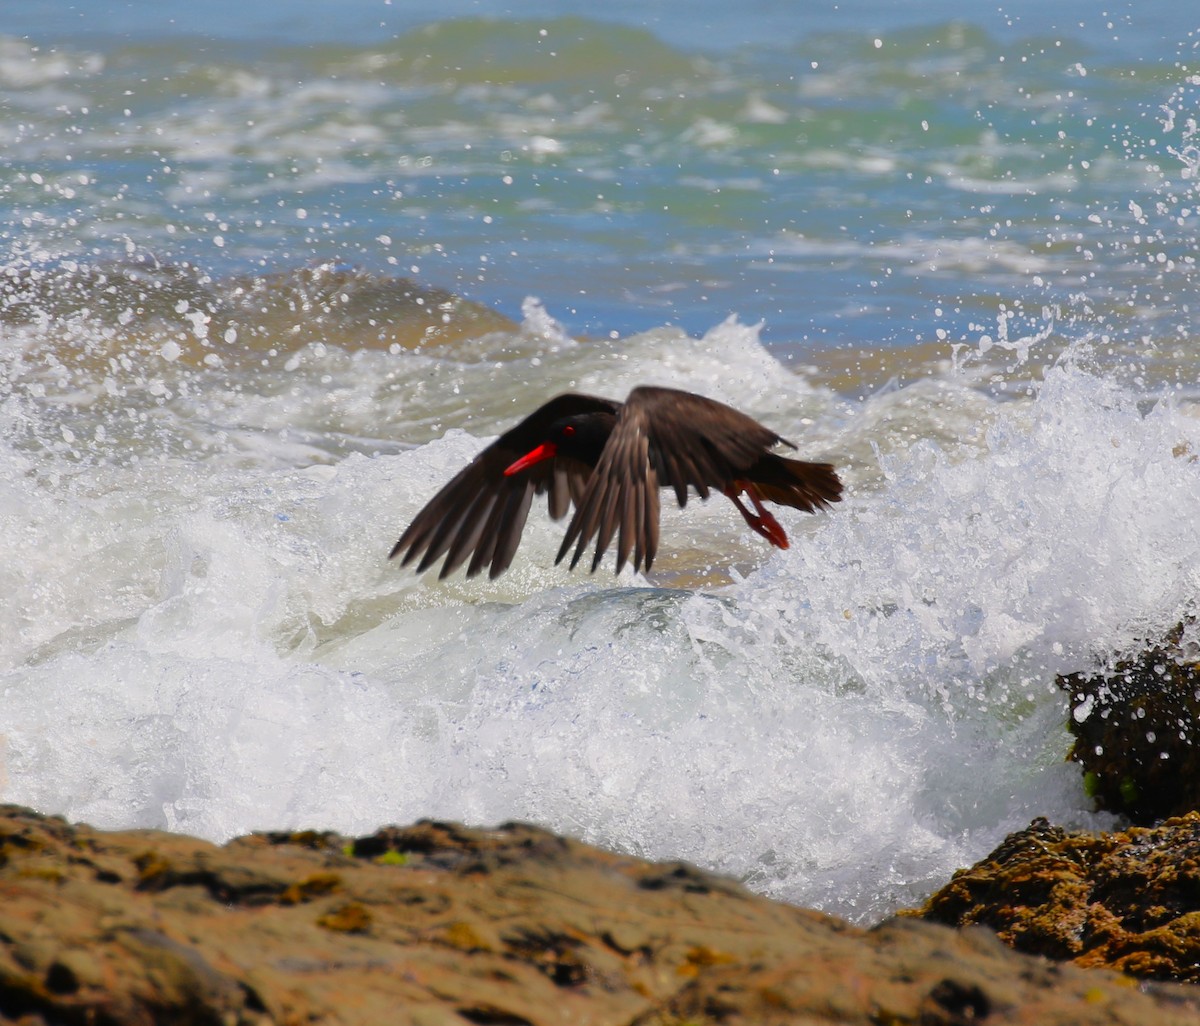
x,y
662,437
481,513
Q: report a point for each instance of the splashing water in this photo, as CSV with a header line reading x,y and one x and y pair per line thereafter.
x,y
211,433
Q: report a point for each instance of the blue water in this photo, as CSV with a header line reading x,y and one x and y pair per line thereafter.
x,y
1145,30
951,250
845,173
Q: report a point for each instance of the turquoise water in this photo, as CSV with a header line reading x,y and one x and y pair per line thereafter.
x,y
270,276
845,176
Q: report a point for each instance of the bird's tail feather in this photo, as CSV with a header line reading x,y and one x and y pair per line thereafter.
x,y
795,483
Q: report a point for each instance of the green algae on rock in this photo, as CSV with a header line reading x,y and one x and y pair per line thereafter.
x,y
1128,901
1135,727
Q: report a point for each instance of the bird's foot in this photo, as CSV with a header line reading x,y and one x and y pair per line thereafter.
x,y
761,521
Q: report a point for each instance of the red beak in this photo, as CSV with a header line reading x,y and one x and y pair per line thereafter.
x,y
546,451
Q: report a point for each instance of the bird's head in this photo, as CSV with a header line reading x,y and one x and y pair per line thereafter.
x,y
581,437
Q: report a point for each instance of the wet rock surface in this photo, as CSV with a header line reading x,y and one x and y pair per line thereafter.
x,y
1135,727
437,923
1126,900
222,322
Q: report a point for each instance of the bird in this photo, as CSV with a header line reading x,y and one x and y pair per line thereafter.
x,y
609,459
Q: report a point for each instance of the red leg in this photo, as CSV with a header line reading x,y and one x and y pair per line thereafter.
x,y
764,523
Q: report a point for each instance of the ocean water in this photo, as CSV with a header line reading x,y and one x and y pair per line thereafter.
x,y
268,279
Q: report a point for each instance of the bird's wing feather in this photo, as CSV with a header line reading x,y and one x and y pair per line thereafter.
x,y
615,498
480,513
662,437
699,442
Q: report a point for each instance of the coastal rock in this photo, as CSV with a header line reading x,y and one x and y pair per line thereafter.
x,y
1135,729
1128,901
440,924
222,322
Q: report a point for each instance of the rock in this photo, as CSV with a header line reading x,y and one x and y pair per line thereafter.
x,y
255,319
1135,729
440,924
1128,901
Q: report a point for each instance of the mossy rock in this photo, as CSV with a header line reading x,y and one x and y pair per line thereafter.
x,y
1135,727
1128,901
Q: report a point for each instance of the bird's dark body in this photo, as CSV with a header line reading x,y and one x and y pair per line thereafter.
x,y
609,460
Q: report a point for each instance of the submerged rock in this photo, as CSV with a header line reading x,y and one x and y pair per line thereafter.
x,y
436,923
1135,728
1128,901
93,314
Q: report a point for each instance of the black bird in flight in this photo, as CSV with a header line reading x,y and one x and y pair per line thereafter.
x,y
609,460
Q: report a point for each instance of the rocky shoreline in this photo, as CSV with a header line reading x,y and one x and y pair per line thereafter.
x,y
1127,900
441,924
437,923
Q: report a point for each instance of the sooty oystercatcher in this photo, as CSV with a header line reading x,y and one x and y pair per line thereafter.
x,y
609,460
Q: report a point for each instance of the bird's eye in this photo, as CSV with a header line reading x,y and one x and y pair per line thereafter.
x,y
568,431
